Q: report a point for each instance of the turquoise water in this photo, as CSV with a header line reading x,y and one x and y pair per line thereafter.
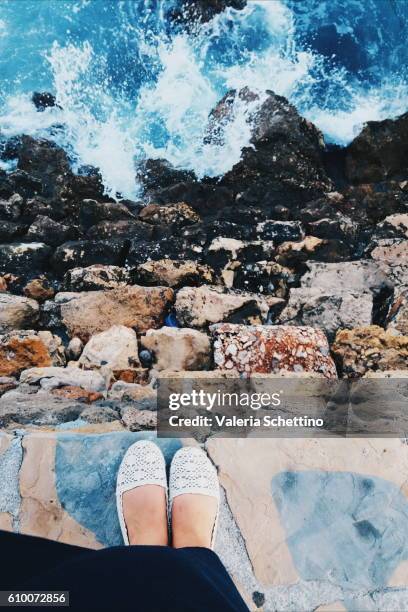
x,y
131,84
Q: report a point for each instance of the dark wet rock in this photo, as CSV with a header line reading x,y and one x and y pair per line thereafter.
x,y
43,100
205,198
159,174
26,184
25,259
284,164
93,212
380,152
227,229
39,206
226,253
190,11
280,231
85,253
294,254
44,229
10,231
241,215
134,229
264,277
43,160
6,185
222,114
11,209
171,247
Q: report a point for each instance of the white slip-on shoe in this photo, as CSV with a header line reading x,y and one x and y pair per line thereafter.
x,y
191,472
143,464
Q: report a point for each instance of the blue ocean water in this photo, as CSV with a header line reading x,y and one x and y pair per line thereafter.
x,y
132,84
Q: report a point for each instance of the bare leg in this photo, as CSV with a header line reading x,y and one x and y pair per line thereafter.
x,y
145,513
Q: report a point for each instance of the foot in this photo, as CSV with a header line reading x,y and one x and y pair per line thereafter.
x,y
193,520
194,499
145,514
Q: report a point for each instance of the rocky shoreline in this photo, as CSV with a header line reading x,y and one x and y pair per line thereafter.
x,y
294,262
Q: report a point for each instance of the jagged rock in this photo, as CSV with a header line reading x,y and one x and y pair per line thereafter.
x,y
99,414
43,160
39,289
120,229
27,349
74,349
143,396
168,247
174,216
44,229
280,231
138,307
70,392
202,197
284,164
24,258
369,348
329,311
95,277
52,377
17,312
394,226
50,313
173,273
178,349
40,408
223,254
266,349
84,253
392,257
397,318
3,284
11,209
43,100
350,276
115,348
138,420
202,306
10,231
188,12
379,152
159,173
266,277
311,247
93,212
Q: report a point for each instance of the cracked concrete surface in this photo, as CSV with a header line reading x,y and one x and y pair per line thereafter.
x,y
305,525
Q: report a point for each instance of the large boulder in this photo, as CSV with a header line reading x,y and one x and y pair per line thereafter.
x,y
140,308
84,253
127,228
351,276
44,229
92,212
25,258
26,349
370,348
178,349
379,152
272,349
327,310
173,273
203,306
95,277
392,257
17,312
53,377
173,216
115,348
284,163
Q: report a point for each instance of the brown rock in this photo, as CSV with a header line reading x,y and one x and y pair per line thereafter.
x,y
95,277
207,305
141,308
115,348
38,289
178,349
173,214
370,348
77,393
19,351
397,318
7,383
132,375
142,395
272,349
174,273
3,284
17,312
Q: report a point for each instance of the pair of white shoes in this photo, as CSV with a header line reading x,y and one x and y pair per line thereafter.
x,y
190,472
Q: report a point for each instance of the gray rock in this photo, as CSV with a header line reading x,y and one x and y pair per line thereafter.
x,y
17,312
52,377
